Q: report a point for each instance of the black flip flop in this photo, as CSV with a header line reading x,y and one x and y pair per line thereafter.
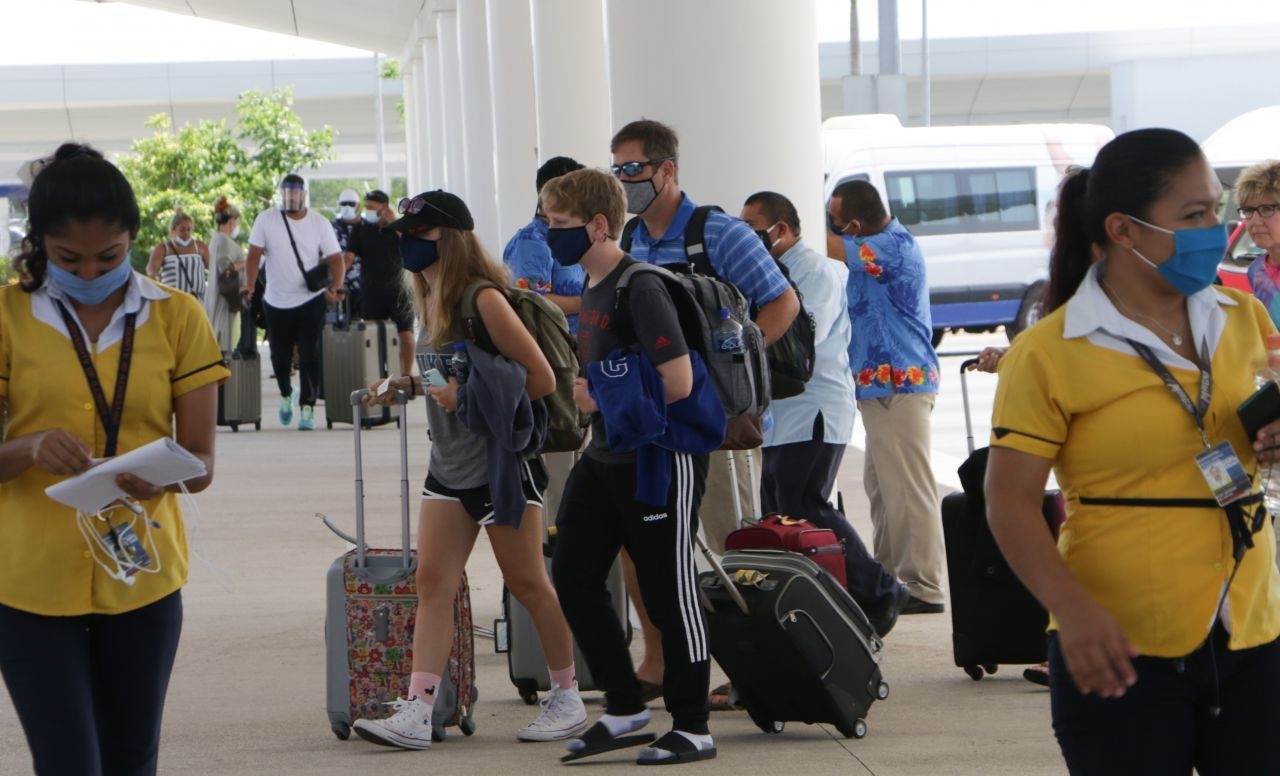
x,y
682,751
597,740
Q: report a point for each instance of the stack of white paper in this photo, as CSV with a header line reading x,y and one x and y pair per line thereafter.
x,y
162,462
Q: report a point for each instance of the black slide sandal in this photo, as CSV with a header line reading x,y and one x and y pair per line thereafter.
x,y
682,751
598,741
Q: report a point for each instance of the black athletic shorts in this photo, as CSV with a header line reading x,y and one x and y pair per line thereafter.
x,y
477,501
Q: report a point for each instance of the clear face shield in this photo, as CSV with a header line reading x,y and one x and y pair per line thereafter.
x,y
293,197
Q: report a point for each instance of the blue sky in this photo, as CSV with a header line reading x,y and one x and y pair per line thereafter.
x,y
70,32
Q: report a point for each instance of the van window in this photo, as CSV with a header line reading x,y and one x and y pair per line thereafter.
x,y
960,201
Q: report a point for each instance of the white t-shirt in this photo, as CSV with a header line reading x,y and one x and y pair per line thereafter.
x,y
314,236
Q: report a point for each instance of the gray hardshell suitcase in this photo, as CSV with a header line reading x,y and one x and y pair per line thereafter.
x,y
371,605
354,354
240,397
526,662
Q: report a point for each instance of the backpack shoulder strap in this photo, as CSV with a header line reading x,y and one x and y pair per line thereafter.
x,y
469,316
624,241
695,240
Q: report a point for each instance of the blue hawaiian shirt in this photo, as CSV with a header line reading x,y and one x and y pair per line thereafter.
x,y
533,267
1264,279
891,349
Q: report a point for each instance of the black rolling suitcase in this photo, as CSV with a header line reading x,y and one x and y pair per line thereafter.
x,y
240,397
994,618
793,642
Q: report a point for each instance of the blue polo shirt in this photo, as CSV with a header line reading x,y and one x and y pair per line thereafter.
x,y
891,349
533,267
735,252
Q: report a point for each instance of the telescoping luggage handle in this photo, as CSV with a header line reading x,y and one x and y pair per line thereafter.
x,y
725,579
964,395
356,398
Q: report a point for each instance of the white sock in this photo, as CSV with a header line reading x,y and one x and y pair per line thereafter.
x,y
618,726
703,741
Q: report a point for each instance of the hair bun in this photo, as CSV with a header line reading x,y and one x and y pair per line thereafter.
x,y
73,150
221,204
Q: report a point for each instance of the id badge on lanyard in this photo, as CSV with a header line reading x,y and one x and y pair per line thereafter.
x,y
1218,464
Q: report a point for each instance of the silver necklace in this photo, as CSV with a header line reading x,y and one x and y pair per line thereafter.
x,y
1124,308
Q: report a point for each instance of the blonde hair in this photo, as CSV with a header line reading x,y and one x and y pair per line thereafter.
x,y
179,215
1259,182
463,260
583,193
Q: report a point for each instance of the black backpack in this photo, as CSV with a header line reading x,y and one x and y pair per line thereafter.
x,y
791,357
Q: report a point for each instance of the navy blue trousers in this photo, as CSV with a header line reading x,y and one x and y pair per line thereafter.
x,y
796,480
89,690
1164,725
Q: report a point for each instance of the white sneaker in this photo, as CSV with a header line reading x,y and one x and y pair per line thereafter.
x,y
408,728
563,716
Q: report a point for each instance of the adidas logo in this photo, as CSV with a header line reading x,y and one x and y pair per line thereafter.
x,y
654,517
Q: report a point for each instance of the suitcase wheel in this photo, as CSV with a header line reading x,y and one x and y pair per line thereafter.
x,y
234,426
340,729
860,728
257,425
467,725
990,668
437,733
974,672
770,726
882,691
328,424
528,690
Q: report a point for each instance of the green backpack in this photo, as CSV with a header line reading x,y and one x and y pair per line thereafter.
x,y
566,425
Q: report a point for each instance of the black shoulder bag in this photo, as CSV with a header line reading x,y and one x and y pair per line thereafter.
x,y
317,278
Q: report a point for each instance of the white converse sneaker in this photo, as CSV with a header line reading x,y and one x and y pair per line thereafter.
x,y
408,728
563,716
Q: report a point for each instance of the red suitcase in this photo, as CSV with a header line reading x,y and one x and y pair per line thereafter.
x,y
793,534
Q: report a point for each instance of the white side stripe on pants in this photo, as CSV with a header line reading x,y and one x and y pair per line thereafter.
x,y
686,572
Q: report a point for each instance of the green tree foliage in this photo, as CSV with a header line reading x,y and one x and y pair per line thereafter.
x,y
191,167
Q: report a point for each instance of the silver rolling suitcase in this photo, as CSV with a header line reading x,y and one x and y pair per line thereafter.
x,y
370,608
240,397
354,355
516,635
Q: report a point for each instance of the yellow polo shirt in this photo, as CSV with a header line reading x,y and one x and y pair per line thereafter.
x,y
45,565
1072,391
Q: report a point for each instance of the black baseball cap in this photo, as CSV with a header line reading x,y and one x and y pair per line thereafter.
x,y
430,209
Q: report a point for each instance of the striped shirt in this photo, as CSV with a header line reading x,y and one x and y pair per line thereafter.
x,y
735,252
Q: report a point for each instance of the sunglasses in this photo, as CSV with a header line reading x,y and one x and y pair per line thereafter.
x,y
635,168
412,207
1266,211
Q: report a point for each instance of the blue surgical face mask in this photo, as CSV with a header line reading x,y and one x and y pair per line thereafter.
x,y
90,291
1197,253
416,253
568,244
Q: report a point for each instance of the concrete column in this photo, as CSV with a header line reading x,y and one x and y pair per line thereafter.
x,y
742,94
412,74
515,114
433,107
571,76
448,71
477,119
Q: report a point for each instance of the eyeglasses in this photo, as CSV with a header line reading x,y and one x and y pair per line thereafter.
x,y
1266,211
347,204
412,207
635,168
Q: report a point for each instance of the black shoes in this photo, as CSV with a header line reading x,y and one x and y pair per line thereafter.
x,y
884,618
916,606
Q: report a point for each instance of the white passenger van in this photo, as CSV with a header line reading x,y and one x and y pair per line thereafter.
x,y
979,199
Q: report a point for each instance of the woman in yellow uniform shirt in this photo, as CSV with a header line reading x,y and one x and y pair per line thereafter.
x,y
1165,606
95,360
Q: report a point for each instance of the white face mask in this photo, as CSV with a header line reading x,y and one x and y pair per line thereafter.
x,y
346,212
183,241
235,232
371,216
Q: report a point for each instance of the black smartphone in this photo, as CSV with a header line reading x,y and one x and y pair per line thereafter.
x,y
1260,409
